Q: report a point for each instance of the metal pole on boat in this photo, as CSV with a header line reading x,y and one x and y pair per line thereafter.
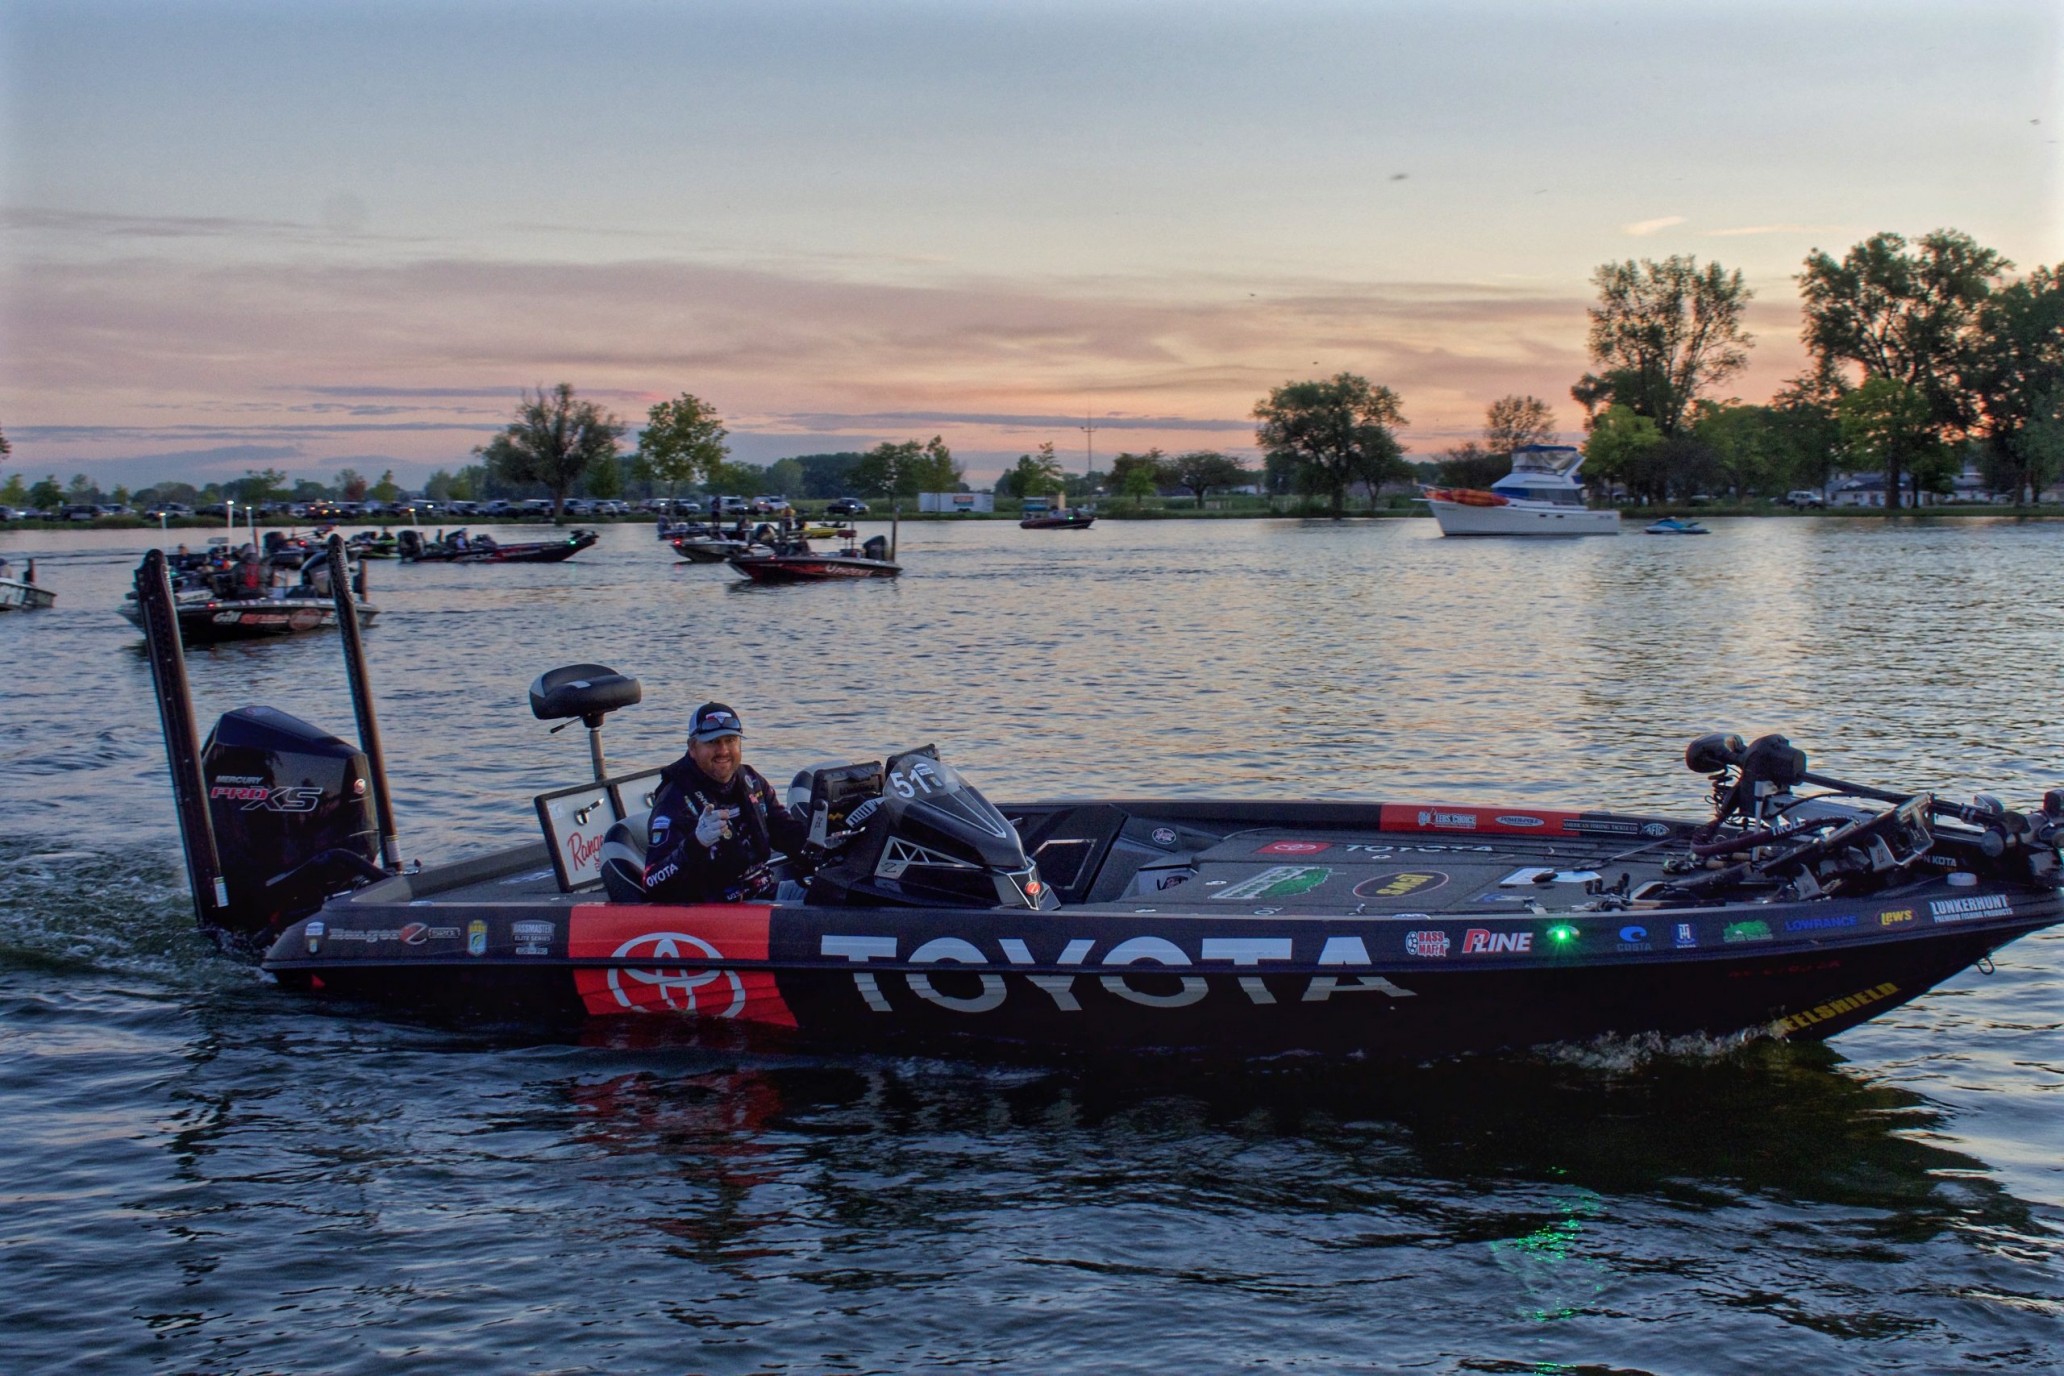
x,y
895,526
167,657
362,701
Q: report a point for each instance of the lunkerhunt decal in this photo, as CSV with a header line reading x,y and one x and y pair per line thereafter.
x,y
670,959
1964,909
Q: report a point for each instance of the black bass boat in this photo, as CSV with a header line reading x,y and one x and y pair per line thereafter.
x,y
1059,520
920,912
254,599
778,559
461,547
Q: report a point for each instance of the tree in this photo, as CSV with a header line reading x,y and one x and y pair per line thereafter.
x,y
1333,434
386,490
1626,449
553,441
1665,332
257,487
1471,465
906,469
2017,378
1138,476
1908,316
1888,424
47,495
683,441
14,492
352,485
1511,422
1200,470
1033,475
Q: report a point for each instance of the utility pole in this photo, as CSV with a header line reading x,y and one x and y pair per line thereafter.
x,y
1088,429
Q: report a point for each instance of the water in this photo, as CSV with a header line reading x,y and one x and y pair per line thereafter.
x,y
201,1173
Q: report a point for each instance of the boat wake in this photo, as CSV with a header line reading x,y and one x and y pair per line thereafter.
x,y
67,908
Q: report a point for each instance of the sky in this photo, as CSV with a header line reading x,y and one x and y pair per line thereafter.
x,y
317,235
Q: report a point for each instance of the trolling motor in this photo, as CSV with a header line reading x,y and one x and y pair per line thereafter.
x,y
1817,845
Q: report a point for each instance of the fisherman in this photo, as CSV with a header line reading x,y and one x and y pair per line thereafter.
x,y
715,821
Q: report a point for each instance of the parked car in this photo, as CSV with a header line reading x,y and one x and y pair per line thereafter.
x,y
769,506
1803,498
79,511
459,506
15,513
168,509
846,506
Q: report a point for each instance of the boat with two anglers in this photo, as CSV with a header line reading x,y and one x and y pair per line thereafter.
x,y
1540,496
23,593
463,547
221,596
917,913
775,557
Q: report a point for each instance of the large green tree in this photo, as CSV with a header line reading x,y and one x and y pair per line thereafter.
x,y
1512,422
1138,476
907,468
1888,424
2017,378
1663,332
553,440
682,442
1033,474
1910,315
1200,470
1627,449
1332,434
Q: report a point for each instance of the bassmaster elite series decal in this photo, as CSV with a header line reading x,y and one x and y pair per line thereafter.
x,y
670,960
1965,909
1278,881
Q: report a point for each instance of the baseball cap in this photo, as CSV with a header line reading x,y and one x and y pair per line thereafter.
x,y
713,720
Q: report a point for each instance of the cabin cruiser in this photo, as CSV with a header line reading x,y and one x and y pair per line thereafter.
x,y
1540,496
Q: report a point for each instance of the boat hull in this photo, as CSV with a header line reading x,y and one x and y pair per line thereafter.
x,y
1057,523
1522,518
209,623
811,568
544,552
1350,929
17,595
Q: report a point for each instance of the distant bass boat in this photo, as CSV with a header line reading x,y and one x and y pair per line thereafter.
x,y
1540,496
23,593
918,913
461,547
788,560
254,600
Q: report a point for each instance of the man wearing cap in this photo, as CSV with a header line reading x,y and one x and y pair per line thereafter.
x,y
715,821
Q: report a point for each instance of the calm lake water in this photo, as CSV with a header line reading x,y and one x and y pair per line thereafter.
x,y
201,1173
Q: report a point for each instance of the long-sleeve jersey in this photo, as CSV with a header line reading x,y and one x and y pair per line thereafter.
x,y
679,870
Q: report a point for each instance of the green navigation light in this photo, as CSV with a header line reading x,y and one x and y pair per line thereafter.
x,y
1562,933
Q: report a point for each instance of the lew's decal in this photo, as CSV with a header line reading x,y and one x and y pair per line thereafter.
x,y
1964,909
1833,1008
1895,917
671,961
1400,884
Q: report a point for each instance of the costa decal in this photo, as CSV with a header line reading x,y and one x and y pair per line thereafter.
x,y
1278,881
667,959
1481,941
1431,945
1896,917
1833,1008
1400,884
1294,847
1965,909
1634,936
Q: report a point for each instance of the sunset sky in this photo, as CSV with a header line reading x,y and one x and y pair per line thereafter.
x,y
315,235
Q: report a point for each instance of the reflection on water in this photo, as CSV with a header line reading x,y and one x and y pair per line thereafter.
x,y
205,1173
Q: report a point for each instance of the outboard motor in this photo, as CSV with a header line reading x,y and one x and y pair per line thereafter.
x,y
292,809
410,543
926,839
875,547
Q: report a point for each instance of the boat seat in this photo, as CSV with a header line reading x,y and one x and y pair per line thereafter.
x,y
623,857
587,691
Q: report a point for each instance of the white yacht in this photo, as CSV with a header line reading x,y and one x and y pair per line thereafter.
x,y
1540,496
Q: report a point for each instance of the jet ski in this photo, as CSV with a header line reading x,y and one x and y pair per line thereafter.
x,y
919,913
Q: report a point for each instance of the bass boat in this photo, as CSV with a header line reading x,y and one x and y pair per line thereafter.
x,y
211,605
1540,496
793,561
462,548
23,593
919,913
1059,520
